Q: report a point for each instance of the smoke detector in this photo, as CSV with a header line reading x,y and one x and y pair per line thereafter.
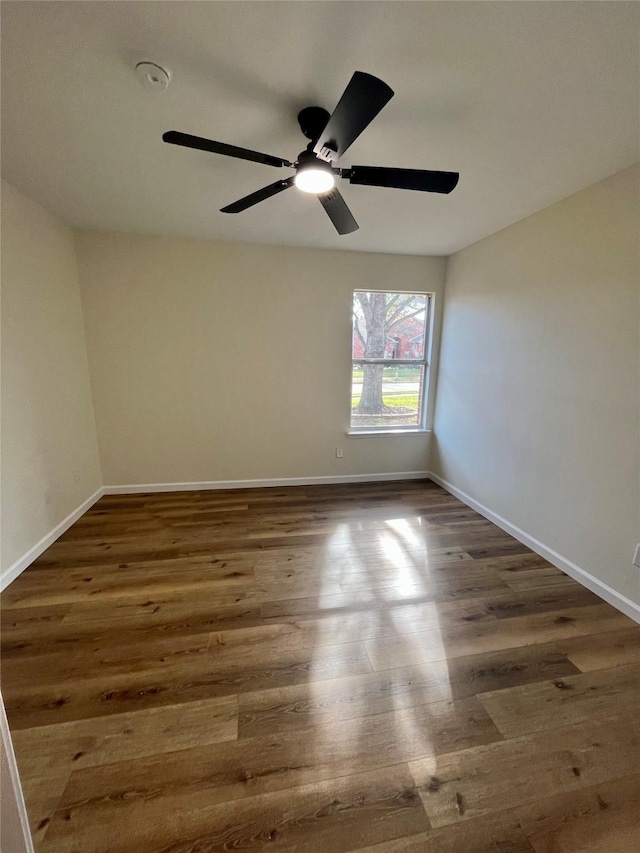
x,y
152,75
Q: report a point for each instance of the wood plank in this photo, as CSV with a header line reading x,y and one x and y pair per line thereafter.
x,y
42,793
413,577
372,599
24,623
307,706
170,547
51,668
532,601
491,834
104,628
194,654
497,549
90,590
601,818
514,564
564,701
143,567
403,617
389,618
598,819
487,779
612,650
331,815
172,683
543,579
440,644
67,747
226,772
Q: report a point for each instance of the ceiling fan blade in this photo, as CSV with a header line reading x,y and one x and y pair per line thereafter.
x,y
258,196
402,179
174,137
360,103
338,212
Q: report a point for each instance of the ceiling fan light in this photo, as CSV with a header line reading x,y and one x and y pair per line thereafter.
x,y
314,179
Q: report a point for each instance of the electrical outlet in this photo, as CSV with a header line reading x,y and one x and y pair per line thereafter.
x,y
636,556
338,453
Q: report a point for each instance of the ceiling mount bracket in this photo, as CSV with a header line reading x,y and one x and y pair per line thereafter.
x,y
312,121
152,75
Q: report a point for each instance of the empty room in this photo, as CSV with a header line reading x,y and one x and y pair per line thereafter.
x,y
320,427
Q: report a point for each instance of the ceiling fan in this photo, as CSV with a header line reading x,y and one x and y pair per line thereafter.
x,y
330,137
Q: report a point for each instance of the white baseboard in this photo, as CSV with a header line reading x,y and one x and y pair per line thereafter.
x,y
135,489
40,547
611,596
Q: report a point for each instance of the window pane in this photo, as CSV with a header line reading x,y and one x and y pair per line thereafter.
x,y
386,396
389,325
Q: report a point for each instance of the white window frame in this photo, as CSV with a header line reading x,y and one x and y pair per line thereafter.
x,y
425,362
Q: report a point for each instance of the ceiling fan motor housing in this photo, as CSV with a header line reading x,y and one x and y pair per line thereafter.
x,y
312,121
308,158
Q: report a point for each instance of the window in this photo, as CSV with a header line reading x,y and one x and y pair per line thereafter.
x,y
389,360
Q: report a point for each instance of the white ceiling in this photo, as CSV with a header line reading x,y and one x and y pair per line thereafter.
x,y
529,101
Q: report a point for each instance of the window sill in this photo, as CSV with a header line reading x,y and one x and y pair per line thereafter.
x,y
366,433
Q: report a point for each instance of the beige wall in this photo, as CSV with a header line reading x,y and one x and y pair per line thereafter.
x,y
538,390
48,442
219,361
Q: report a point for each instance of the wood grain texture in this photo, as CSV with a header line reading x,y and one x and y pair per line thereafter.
x,y
589,820
518,771
447,643
368,667
334,815
122,737
564,701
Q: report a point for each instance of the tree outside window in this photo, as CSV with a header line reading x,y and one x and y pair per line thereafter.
x,y
389,353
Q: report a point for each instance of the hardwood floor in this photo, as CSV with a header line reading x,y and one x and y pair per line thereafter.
x,y
371,668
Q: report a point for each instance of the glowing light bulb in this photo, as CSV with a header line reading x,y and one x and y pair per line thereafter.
x,y
314,179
